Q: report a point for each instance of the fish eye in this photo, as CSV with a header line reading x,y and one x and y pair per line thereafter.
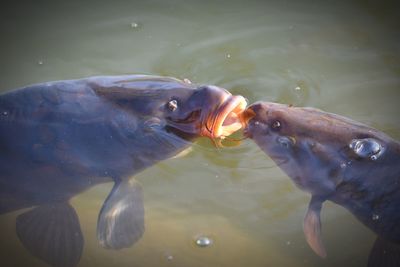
x,y
172,105
276,125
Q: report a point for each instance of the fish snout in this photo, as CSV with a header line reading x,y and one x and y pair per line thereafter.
x,y
223,111
210,111
254,119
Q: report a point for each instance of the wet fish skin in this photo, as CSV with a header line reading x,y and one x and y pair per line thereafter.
x,y
333,158
110,126
58,139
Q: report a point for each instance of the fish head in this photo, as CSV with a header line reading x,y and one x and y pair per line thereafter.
x,y
178,106
208,111
316,149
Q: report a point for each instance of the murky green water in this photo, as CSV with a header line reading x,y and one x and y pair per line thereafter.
x,y
340,57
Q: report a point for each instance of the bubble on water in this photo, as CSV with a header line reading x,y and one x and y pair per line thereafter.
x,y
366,148
343,165
134,25
228,55
203,241
5,113
288,243
40,62
375,217
167,255
297,88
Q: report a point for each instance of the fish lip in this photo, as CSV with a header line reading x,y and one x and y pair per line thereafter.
x,y
230,107
246,116
220,115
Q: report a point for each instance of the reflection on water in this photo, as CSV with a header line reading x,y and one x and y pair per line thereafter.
x,y
343,58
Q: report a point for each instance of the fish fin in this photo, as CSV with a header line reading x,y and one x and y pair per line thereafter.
x,y
121,219
183,153
52,233
312,227
384,254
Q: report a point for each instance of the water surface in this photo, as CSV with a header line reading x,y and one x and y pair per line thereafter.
x,y
340,57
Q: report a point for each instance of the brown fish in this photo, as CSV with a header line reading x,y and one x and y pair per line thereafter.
x,y
58,139
333,158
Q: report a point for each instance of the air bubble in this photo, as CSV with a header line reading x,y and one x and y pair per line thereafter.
x,y
168,256
134,25
366,148
203,241
375,217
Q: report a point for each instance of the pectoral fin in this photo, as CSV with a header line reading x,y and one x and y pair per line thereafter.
x,y
312,226
52,233
121,219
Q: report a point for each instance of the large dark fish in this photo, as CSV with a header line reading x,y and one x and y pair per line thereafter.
x,y
333,158
58,139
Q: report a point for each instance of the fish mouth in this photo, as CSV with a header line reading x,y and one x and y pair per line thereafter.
x,y
226,119
245,118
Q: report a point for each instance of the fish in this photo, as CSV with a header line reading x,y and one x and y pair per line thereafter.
x,y
58,139
337,159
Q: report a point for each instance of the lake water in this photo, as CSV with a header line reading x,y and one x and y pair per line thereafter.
x,y
342,57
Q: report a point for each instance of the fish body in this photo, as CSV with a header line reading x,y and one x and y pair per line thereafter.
x,y
58,139
332,158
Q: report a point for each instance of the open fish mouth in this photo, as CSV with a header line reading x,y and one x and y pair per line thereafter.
x,y
245,117
226,119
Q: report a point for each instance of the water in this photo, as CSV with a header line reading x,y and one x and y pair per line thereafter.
x,y
340,57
